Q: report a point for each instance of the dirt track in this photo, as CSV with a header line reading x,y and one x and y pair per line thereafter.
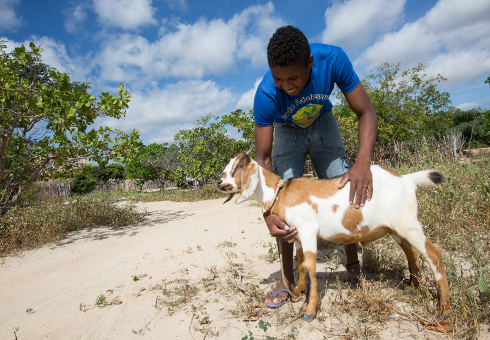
x,y
176,249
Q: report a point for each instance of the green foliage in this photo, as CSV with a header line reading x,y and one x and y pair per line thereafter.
x,y
104,172
244,123
83,184
408,105
473,125
487,81
203,151
141,166
45,119
100,301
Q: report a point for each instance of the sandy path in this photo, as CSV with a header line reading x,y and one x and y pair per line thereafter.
x,y
54,280
176,241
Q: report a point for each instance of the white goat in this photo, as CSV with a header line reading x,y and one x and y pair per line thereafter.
x,y
317,208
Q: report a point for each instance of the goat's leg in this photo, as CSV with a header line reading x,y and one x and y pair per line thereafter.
x,y
413,262
308,310
434,258
443,295
300,287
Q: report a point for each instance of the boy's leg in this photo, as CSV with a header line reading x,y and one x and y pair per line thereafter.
x,y
288,159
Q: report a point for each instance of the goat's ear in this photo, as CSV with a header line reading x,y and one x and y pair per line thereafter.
x,y
250,180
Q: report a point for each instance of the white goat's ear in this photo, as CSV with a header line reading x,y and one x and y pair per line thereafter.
x,y
250,180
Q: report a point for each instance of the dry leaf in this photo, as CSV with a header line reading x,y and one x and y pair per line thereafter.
x,y
441,326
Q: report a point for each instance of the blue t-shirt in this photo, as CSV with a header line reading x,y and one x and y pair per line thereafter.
x,y
330,66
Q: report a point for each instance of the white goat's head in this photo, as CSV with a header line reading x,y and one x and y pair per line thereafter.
x,y
241,174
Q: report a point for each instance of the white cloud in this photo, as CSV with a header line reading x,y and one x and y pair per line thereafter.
x,y
8,18
452,39
75,18
247,99
468,106
126,14
176,4
171,107
355,22
192,50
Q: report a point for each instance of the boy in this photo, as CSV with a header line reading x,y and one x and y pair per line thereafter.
x,y
294,95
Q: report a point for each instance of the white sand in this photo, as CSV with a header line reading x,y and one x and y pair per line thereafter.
x,y
177,240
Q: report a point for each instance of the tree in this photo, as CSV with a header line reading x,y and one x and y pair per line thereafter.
x,y
203,150
105,172
245,124
141,168
487,81
408,105
472,123
44,123
168,165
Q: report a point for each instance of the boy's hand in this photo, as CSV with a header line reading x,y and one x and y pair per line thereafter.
x,y
361,184
280,229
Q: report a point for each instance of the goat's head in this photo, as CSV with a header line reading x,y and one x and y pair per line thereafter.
x,y
239,175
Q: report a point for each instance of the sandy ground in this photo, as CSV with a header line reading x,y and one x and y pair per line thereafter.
x,y
184,290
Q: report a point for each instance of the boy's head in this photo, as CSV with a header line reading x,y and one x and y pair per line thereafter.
x,y
290,61
288,46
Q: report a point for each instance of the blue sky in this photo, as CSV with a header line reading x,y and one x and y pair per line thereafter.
x,y
181,59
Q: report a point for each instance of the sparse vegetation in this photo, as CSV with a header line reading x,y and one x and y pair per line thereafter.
x,y
101,300
272,253
51,219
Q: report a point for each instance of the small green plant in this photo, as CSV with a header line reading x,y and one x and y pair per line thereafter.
x,y
189,250
16,329
199,248
110,291
101,299
135,277
249,336
227,244
29,311
81,307
272,253
263,325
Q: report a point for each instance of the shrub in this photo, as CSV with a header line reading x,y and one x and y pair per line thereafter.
x,y
83,184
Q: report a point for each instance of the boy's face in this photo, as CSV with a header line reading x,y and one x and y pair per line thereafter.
x,y
291,79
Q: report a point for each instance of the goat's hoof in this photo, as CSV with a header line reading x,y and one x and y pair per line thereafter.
x,y
308,318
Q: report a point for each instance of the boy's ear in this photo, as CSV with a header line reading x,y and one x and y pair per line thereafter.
x,y
250,180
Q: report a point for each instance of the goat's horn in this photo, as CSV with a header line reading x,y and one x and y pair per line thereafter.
x,y
249,151
229,197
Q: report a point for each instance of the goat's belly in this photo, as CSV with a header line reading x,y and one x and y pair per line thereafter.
x,y
312,222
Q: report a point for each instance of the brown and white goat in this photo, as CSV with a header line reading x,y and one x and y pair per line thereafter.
x,y
317,208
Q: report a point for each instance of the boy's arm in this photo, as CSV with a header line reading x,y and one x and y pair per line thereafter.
x,y
263,150
263,145
360,174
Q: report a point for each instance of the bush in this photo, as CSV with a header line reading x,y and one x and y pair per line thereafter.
x,y
104,172
83,184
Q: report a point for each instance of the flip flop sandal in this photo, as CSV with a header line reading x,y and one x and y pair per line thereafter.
x,y
273,305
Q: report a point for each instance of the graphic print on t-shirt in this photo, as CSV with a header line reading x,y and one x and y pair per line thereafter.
x,y
306,115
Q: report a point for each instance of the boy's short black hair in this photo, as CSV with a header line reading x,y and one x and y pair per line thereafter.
x,y
288,46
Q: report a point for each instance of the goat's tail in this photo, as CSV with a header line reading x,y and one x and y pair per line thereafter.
x,y
426,177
